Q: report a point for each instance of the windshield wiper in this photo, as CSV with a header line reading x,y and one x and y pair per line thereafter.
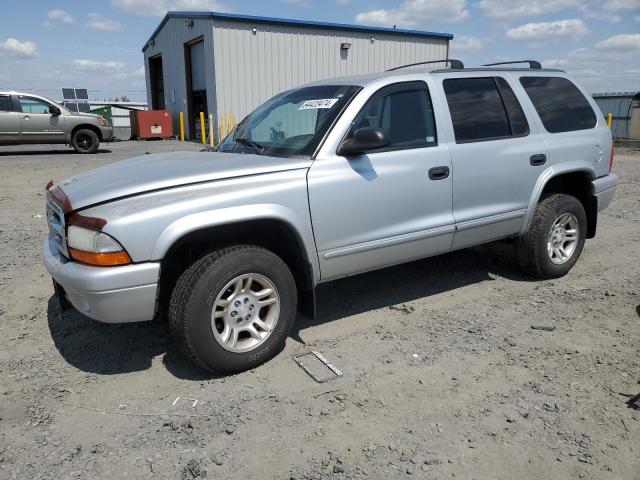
x,y
249,143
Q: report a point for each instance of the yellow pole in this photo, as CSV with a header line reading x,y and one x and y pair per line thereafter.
x,y
211,129
203,134
182,126
609,119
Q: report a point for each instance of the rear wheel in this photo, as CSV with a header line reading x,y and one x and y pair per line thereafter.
x,y
233,309
85,141
554,240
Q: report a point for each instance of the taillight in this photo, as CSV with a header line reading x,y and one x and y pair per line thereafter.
x,y
611,159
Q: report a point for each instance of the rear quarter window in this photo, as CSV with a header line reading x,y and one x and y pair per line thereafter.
x,y
559,103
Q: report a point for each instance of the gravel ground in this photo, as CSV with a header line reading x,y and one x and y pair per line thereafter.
x,y
444,375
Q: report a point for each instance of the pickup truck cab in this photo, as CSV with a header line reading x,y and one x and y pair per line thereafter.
x,y
26,118
327,180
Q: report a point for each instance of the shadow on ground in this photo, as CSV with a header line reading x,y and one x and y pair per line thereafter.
x,y
109,349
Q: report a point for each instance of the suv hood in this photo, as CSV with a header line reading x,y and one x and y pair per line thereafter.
x,y
147,173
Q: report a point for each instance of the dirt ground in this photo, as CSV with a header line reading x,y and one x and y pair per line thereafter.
x,y
444,376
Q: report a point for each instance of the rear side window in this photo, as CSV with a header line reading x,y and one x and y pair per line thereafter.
x,y
404,111
484,109
5,103
561,106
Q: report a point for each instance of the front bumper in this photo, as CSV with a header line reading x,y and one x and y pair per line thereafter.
x,y
106,133
108,294
604,188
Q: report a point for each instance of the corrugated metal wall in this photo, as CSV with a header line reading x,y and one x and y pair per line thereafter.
x,y
169,42
621,106
243,68
252,67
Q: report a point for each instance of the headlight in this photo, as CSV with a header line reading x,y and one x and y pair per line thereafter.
x,y
95,248
102,121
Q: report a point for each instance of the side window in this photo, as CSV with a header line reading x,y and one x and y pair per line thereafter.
x,y
484,109
404,111
561,106
33,105
5,103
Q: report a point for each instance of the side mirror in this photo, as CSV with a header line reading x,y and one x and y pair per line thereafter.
x,y
364,140
55,111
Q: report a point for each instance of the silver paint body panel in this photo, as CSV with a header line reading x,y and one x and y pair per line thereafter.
x,y
352,214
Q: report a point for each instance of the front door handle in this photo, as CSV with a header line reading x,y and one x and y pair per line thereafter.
x,y
26,117
539,159
438,173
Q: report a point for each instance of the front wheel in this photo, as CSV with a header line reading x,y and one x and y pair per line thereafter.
x,y
85,141
233,309
554,240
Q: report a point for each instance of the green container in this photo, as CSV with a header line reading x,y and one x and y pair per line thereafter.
x,y
104,112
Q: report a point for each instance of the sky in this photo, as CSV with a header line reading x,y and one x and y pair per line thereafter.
x,y
96,44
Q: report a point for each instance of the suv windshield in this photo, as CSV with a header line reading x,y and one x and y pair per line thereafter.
x,y
291,124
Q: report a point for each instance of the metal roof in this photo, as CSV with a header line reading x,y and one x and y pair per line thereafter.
x,y
290,22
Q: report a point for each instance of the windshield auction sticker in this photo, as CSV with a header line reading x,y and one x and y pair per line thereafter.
x,y
320,103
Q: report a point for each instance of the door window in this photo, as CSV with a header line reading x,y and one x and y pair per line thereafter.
x,y
5,103
561,106
484,109
33,105
404,111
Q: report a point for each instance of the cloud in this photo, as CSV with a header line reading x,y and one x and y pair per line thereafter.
x,y
98,22
97,66
157,8
619,5
58,16
135,75
415,13
625,42
636,18
506,9
537,31
297,3
463,43
14,48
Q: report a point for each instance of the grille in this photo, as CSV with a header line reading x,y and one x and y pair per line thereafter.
x,y
55,222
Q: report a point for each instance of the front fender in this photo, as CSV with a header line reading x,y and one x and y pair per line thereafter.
x,y
226,216
544,178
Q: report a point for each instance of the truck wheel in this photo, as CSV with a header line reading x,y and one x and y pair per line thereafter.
x,y
85,141
554,240
233,309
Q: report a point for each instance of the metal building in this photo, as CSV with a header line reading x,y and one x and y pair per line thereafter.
x,y
228,64
624,108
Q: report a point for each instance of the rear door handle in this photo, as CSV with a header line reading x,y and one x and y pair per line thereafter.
x,y
438,173
539,159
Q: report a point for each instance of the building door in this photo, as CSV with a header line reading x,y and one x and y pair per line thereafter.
x,y
157,83
196,85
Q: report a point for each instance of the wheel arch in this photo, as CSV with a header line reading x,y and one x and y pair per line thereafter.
x,y
179,250
572,179
86,126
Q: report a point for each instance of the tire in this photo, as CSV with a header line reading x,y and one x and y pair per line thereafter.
x,y
533,248
206,284
85,141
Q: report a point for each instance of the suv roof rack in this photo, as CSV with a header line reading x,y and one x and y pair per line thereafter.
x,y
455,64
533,64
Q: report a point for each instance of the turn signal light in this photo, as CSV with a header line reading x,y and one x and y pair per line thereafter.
x,y
109,259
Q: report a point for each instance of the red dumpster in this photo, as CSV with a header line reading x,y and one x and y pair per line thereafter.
x,y
151,124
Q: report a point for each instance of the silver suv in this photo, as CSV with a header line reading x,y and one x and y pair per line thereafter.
x,y
327,180
27,119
